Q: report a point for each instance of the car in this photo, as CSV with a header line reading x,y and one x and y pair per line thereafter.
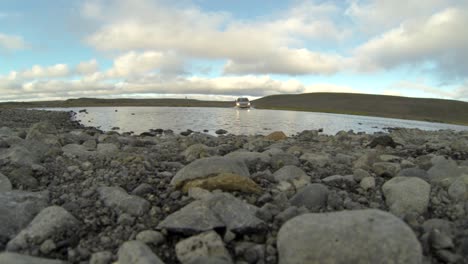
x,y
242,102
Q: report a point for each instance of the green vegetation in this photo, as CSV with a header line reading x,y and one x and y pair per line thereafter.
x,y
432,110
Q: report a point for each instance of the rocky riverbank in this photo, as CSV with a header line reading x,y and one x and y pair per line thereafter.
x,y
80,195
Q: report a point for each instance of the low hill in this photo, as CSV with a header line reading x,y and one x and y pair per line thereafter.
x,y
433,110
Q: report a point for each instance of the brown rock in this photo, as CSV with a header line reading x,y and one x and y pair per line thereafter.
x,y
277,135
225,182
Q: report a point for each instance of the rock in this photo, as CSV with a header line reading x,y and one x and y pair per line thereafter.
x,y
360,174
316,159
366,160
79,151
102,257
44,132
205,167
221,132
137,252
47,246
443,171
216,211
224,182
143,189
442,225
346,237
367,183
5,184
384,141
440,240
17,209
307,135
289,172
151,237
458,191
386,169
276,136
14,258
118,198
107,149
198,151
283,159
198,193
389,158
50,222
23,177
414,172
208,245
289,213
406,195
313,197
253,160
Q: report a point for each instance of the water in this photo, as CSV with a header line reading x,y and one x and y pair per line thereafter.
x,y
238,121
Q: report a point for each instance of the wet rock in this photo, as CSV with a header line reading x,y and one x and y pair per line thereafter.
x,y
117,198
217,211
5,184
14,258
313,197
205,167
208,245
18,208
406,195
386,169
151,237
384,141
137,252
221,132
51,221
276,136
344,237
224,182
102,257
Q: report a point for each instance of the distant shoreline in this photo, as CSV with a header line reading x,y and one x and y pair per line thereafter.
x,y
419,109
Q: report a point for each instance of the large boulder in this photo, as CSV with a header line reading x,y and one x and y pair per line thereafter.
x,y
14,258
207,167
5,184
117,198
360,236
208,245
44,132
50,222
405,195
18,208
137,252
443,171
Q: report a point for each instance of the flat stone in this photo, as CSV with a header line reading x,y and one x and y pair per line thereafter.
x,y
405,195
224,182
208,245
206,167
50,222
118,198
359,236
18,208
14,258
137,252
313,197
5,184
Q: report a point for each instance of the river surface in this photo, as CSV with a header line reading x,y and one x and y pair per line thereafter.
x,y
237,121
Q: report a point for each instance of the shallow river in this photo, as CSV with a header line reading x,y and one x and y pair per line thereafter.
x,y
237,121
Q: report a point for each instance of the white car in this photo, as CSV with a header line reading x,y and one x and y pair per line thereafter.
x,y
242,102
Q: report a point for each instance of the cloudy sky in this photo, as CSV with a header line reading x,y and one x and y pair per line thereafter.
x,y
211,49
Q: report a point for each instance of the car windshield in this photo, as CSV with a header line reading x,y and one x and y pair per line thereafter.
x,y
242,99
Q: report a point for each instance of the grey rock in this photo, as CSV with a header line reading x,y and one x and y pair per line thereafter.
x,y
440,240
216,211
198,193
406,195
14,258
107,149
289,213
458,190
18,208
47,246
151,237
386,169
118,198
198,151
142,189
208,245
137,252
313,197
79,151
367,183
389,158
340,237
283,159
289,172
23,177
316,159
44,132
5,184
442,225
360,174
50,222
251,159
102,257
414,172
205,167
443,172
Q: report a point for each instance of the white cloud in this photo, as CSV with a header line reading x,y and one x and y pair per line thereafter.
x,y
38,72
440,39
12,42
87,67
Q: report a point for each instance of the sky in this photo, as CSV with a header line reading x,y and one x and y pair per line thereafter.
x,y
219,50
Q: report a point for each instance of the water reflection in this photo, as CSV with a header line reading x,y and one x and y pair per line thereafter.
x,y
238,121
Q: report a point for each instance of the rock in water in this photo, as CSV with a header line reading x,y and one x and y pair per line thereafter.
x,y
406,195
137,252
208,245
360,236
